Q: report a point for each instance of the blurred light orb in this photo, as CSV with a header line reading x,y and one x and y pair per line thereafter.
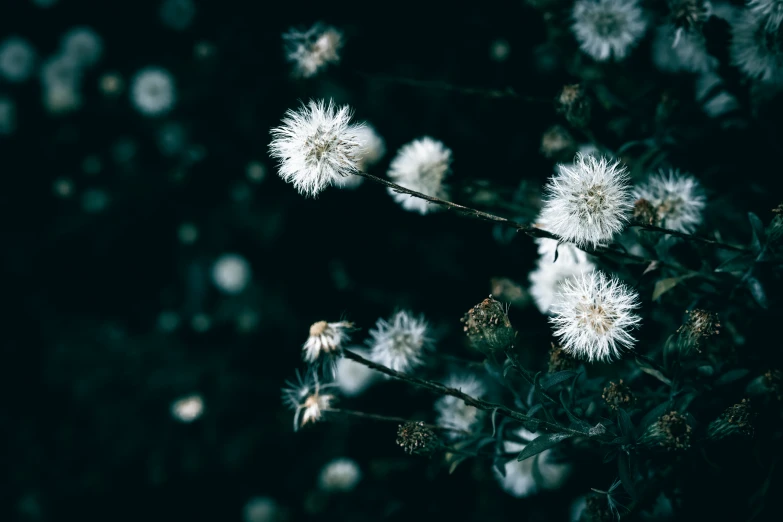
x,y
168,321
339,476
7,116
177,14
499,50
255,172
92,165
83,45
124,150
61,98
17,59
188,409
94,201
63,187
200,323
152,91
260,509
171,139
187,233
111,84
60,70
231,273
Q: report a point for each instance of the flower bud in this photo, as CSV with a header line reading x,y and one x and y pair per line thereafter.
x,y
417,439
734,421
575,105
618,395
700,325
669,432
558,144
559,360
488,327
644,213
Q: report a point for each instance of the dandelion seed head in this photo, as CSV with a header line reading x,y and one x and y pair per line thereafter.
x,y
231,273
307,397
608,28
17,59
421,165
371,149
401,342
341,475
325,339
770,10
757,51
453,412
548,277
593,315
177,14
188,409
678,199
312,50
316,146
588,202
82,45
152,91
352,377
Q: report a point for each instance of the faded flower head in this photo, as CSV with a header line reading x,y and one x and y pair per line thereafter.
x,y
17,59
352,377
453,412
617,395
689,14
326,339
593,315
417,439
771,10
608,28
340,475
421,165
307,398
401,342
316,146
312,50
736,420
152,91
488,327
698,327
676,50
574,104
587,203
757,51
670,432
548,277
525,477
678,200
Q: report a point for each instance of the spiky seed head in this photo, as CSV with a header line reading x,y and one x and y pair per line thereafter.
x,y
699,326
735,420
421,165
575,105
618,395
757,51
608,28
678,199
670,432
488,327
313,50
417,439
401,342
769,10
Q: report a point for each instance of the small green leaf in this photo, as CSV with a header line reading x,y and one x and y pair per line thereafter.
x,y
759,235
649,370
624,421
664,285
556,378
738,263
542,443
731,376
757,291
626,474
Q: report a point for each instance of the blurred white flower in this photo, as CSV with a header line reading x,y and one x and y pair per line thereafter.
x,y
676,50
608,28
7,116
588,202
177,14
316,146
60,70
307,398
187,409
260,509
528,476
757,52
339,475
61,98
421,165
152,91
63,187
111,84
352,377
255,171
17,59
200,323
371,150
231,273
549,275
499,50
312,50
401,342
771,10
453,412
678,199
82,45
325,339
592,316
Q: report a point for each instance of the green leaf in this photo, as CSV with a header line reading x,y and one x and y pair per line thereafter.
x,y
759,235
542,443
626,474
757,291
738,263
556,378
731,376
649,370
583,425
624,421
664,285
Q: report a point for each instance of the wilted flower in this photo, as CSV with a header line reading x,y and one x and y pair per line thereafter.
x,y
188,409
617,395
316,146
757,52
339,475
421,165
548,277
736,420
400,343
560,360
587,203
417,439
592,316
326,339
670,432
17,59
487,326
453,412
700,325
522,478
307,398
574,104
231,273
678,199
152,91
606,28
312,50
352,377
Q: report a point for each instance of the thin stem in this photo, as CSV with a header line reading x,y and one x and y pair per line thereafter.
x,y
689,237
470,401
389,418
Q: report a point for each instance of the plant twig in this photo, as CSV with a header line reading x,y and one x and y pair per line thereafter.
x,y
388,418
689,237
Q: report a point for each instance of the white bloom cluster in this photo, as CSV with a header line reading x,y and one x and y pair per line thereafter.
x,y
757,51
152,91
678,199
312,50
421,165
400,342
587,203
608,28
592,316
528,476
341,475
453,412
17,59
316,146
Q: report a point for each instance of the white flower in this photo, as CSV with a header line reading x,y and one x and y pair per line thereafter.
x,y
549,275
152,91
606,28
532,474
771,10
757,52
587,203
312,50
401,342
678,199
17,59
421,165
61,98
177,14
453,412
305,396
260,509
325,339
340,475
187,409
352,377
371,150
316,146
676,50
592,316
231,273
82,45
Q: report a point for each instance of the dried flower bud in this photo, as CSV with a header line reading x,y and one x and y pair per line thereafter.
x,y
700,325
417,439
772,381
644,212
596,509
689,14
618,395
559,360
574,104
558,144
488,327
669,432
775,228
736,420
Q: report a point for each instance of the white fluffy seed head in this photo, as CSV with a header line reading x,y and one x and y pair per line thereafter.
x,y
421,165
152,91
549,275
678,199
453,412
188,409
82,45
341,475
352,377
316,146
17,59
587,203
675,50
528,476
756,51
593,315
307,397
371,149
312,50
401,342
231,273
608,28
326,339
